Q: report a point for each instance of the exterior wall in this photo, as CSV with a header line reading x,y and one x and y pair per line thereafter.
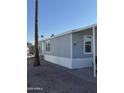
x,y
79,58
60,46
68,50
78,44
81,62
60,51
66,62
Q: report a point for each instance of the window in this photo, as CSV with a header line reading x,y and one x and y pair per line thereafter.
x,y
87,44
47,46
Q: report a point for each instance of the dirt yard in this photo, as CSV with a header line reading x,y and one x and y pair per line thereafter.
x,y
51,78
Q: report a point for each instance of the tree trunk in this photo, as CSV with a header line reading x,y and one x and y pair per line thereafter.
x,y
36,58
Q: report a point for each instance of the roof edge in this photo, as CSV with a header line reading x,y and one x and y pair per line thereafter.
x,y
70,31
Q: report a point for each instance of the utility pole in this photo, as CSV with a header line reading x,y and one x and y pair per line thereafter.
x,y
36,58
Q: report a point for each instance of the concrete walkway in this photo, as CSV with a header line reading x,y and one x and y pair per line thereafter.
x,y
52,78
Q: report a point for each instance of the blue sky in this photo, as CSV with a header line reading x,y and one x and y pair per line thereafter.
x,y
57,16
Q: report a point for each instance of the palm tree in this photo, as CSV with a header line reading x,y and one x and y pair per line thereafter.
x,y
36,58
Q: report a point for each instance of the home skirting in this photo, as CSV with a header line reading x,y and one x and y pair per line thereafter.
x,y
69,62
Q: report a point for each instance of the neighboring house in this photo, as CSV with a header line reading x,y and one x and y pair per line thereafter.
x,y
27,50
30,48
72,49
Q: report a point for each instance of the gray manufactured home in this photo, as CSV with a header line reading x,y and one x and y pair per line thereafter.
x,y
72,49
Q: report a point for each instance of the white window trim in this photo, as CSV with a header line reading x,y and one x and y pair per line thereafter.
x,y
91,45
50,47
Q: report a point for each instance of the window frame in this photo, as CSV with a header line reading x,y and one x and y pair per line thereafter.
x,y
85,44
48,48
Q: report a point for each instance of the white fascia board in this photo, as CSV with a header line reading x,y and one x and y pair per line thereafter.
x,y
84,28
71,31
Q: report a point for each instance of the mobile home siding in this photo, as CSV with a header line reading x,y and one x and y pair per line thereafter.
x,y
68,49
60,46
78,44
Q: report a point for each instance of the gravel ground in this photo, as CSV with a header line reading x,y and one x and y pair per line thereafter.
x,y
51,78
